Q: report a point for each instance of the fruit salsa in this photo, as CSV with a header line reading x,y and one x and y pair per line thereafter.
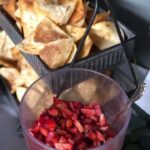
x,y
72,126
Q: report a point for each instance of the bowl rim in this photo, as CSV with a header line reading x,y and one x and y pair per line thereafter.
x,y
38,142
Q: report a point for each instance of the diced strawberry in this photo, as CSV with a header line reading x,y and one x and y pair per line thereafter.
x,y
92,135
82,146
79,126
78,138
100,136
61,132
74,117
53,112
69,123
71,141
73,130
62,123
63,139
68,136
98,109
44,131
63,146
87,127
88,112
40,137
31,132
96,143
102,120
50,136
36,127
55,139
94,118
72,107
104,128
64,110
50,124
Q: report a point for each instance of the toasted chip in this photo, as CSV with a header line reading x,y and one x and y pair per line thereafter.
x,y
75,32
56,53
86,47
29,17
78,14
20,91
60,14
10,7
46,32
11,75
72,54
104,35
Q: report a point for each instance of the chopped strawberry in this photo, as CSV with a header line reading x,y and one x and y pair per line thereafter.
x,y
44,131
63,139
98,109
88,112
79,126
87,127
92,135
96,143
50,124
100,136
82,146
63,146
64,110
53,112
104,128
74,117
55,139
36,127
73,130
102,120
61,132
78,138
69,123
50,136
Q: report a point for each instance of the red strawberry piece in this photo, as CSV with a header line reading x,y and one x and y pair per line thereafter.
x,y
53,112
103,121
63,146
78,138
55,139
61,132
50,136
40,137
63,139
98,110
36,127
96,143
100,136
82,146
104,128
87,127
93,118
79,126
71,141
73,130
72,107
68,136
88,112
50,124
64,110
92,135
44,131
69,123
74,117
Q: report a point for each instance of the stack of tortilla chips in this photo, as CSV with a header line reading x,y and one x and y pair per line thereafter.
x,y
52,29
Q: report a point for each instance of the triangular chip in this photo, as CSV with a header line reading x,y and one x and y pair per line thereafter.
x,y
60,14
29,18
56,53
72,54
79,14
104,35
86,48
75,32
46,32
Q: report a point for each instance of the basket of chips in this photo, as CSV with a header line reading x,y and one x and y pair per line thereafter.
x,y
48,34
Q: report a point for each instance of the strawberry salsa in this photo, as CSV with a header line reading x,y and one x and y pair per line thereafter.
x,y
72,126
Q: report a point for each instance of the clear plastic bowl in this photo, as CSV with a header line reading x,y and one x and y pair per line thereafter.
x,y
88,87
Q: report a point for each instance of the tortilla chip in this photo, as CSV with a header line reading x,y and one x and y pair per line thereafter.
x,y
55,54
60,14
86,48
29,18
72,54
104,35
75,32
11,75
20,92
10,7
46,32
78,14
